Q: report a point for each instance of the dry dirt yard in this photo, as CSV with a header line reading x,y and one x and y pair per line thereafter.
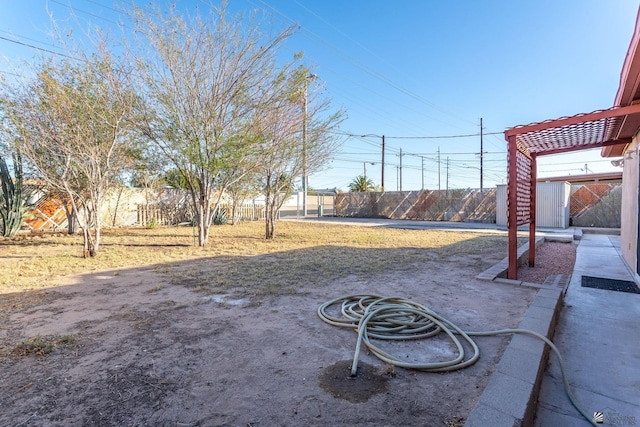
x,y
224,338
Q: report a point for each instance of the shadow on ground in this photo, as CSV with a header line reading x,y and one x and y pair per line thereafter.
x,y
235,340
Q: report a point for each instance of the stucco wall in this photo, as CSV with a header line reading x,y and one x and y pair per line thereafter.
x,y
629,220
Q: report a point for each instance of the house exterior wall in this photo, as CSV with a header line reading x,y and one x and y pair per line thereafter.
x,y
629,220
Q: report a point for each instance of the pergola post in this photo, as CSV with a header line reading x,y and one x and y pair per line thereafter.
x,y
532,212
512,208
613,127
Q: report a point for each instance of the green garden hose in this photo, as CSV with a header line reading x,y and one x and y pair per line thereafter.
x,y
396,318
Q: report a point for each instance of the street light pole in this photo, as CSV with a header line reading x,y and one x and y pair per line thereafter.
x,y
304,152
382,161
305,178
401,169
382,171
364,165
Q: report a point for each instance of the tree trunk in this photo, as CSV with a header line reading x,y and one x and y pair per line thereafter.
x,y
71,218
236,213
272,231
268,208
115,210
97,234
204,219
270,228
91,243
86,241
266,227
270,217
201,226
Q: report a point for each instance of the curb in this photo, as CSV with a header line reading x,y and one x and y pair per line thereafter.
x,y
511,397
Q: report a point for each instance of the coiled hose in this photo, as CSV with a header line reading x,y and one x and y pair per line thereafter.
x,y
396,318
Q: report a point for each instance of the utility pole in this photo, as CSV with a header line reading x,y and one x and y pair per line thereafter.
x,y
422,158
304,156
438,168
364,164
304,150
305,178
481,154
447,173
401,169
382,171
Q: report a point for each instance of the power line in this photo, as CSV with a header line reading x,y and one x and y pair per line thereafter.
x,y
21,37
10,73
75,9
369,70
442,136
107,7
430,136
412,94
38,48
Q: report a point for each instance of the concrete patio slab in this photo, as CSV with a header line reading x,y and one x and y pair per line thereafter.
x,y
597,334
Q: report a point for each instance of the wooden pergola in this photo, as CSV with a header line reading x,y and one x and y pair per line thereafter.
x,y
615,126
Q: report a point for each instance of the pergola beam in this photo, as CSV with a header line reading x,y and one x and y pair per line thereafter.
x,y
512,208
533,182
573,120
551,137
585,147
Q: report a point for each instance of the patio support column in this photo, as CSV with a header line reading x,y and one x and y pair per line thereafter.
x,y
532,212
512,208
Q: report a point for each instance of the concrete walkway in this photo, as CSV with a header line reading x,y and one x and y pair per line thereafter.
x,y
598,335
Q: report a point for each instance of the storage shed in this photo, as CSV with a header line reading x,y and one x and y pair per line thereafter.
x,y
552,209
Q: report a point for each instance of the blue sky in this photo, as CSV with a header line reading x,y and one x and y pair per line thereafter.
x,y
421,68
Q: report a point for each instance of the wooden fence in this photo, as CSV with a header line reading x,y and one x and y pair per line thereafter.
x,y
591,205
436,205
596,205
174,215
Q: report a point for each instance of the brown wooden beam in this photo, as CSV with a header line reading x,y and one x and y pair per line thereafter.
x,y
622,141
532,212
512,209
573,120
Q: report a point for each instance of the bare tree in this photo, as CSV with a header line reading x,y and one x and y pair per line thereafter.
x,y
296,137
73,123
200,79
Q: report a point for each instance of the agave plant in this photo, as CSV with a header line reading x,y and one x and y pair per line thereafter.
x,y
12,207
219,217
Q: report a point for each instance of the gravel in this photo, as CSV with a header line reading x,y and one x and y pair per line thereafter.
x,y
551,258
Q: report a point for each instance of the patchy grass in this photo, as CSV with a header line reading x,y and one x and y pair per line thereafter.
x,y
41,345
309,252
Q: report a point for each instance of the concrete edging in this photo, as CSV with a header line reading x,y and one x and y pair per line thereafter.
x,y
500,269
510,398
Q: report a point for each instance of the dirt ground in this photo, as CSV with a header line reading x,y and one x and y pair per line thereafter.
x,y
139,347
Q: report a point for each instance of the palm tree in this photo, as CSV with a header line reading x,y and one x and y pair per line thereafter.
x,y
361,184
